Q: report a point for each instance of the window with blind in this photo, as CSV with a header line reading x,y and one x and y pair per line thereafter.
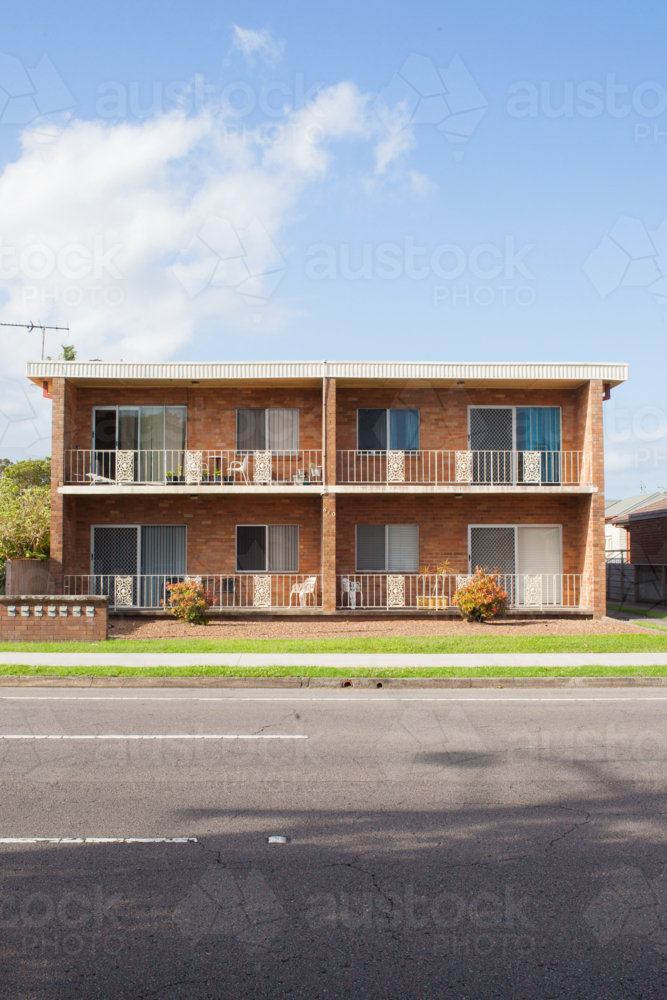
x,y
272,429
396,430
272,548
392,548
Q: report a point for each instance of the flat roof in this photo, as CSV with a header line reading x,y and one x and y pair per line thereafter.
x,y
440,374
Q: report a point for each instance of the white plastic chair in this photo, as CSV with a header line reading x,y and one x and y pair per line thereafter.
x,y
352,588
94,478
242,467
303,590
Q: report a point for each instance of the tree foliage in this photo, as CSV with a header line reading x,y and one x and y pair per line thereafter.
x,y
31,472
25,519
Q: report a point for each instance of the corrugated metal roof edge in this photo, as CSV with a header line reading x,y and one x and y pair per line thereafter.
x,y
611,372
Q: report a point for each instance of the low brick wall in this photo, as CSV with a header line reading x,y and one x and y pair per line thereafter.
x,y
53,618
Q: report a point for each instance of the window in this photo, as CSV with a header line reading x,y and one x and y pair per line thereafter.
x,y
397,430
273,429
272,548
388,547
140,428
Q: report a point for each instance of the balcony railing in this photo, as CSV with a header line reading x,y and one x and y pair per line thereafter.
x,y
260,591
189,467
478,468
421,591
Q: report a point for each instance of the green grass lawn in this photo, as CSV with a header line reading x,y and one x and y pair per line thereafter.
x,y
588,671
449,644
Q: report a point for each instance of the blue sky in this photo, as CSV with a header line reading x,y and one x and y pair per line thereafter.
x,y
227,226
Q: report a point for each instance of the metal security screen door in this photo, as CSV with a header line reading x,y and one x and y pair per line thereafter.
x,y
132,564
495,549
492,442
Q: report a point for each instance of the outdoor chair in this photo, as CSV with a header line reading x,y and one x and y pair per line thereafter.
x,y
94,479
241,467
303,590
352,588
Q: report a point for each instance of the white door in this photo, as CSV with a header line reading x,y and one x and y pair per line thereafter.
x,y
539,565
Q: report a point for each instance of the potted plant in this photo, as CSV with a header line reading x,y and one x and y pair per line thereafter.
x,y
315,471
440,599
299,478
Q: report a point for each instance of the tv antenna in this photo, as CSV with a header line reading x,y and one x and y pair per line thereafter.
x,y
38,326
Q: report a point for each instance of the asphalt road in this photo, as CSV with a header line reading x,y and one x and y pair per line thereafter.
x,y
448,844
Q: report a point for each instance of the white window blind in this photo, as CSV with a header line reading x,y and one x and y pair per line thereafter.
x,y
403,548
283,548
392,547
283,430
539,550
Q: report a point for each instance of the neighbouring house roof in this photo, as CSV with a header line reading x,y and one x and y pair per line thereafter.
x,y
655,508
618,508
474,375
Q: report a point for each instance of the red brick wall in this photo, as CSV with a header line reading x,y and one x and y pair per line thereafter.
x,y
443,523
589,422
64,414
211,411
444,412
648,540
58,629
211,523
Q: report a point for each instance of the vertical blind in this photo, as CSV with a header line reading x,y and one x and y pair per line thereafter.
x,y
274,429
163,548
274,547
397,429
390,547
538,428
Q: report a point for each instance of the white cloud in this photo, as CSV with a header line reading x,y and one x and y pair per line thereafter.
x,y
257,43
420,184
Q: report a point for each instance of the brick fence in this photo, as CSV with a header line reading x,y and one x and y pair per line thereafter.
x,y
53,618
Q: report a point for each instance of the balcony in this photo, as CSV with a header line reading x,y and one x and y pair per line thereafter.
x,y
435,592
495,469
226,592
193,468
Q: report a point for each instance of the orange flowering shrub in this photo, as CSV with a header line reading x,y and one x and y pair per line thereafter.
x,y
481,597
188,601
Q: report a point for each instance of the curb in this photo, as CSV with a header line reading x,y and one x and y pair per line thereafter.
x,y
21,680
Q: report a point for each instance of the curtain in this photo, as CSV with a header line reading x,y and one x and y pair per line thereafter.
x,y
128,428
175,427
283,548
283,430
251,548
404,430
163,561
403,548
538,428
371,541
251,430
372,430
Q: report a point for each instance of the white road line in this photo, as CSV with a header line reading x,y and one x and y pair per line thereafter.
x,y
379,699
123,736
98,840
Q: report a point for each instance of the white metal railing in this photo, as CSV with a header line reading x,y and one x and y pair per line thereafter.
x,y
193,467
235,590
435,591
484,468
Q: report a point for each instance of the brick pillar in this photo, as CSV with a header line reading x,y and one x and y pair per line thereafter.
x,y
329,552
330,430
62,508
592,534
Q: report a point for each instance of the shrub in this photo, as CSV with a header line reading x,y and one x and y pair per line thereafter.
x,y
188,601
481,597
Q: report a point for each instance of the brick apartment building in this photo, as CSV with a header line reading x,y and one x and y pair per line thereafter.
x,y
328,487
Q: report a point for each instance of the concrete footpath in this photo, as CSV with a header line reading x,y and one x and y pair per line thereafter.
x,y
338,661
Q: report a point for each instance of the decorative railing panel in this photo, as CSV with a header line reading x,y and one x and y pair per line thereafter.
x,y
192,467
235,590
435,591
475,468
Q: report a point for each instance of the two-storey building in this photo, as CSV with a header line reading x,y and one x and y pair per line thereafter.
x,y
326,487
